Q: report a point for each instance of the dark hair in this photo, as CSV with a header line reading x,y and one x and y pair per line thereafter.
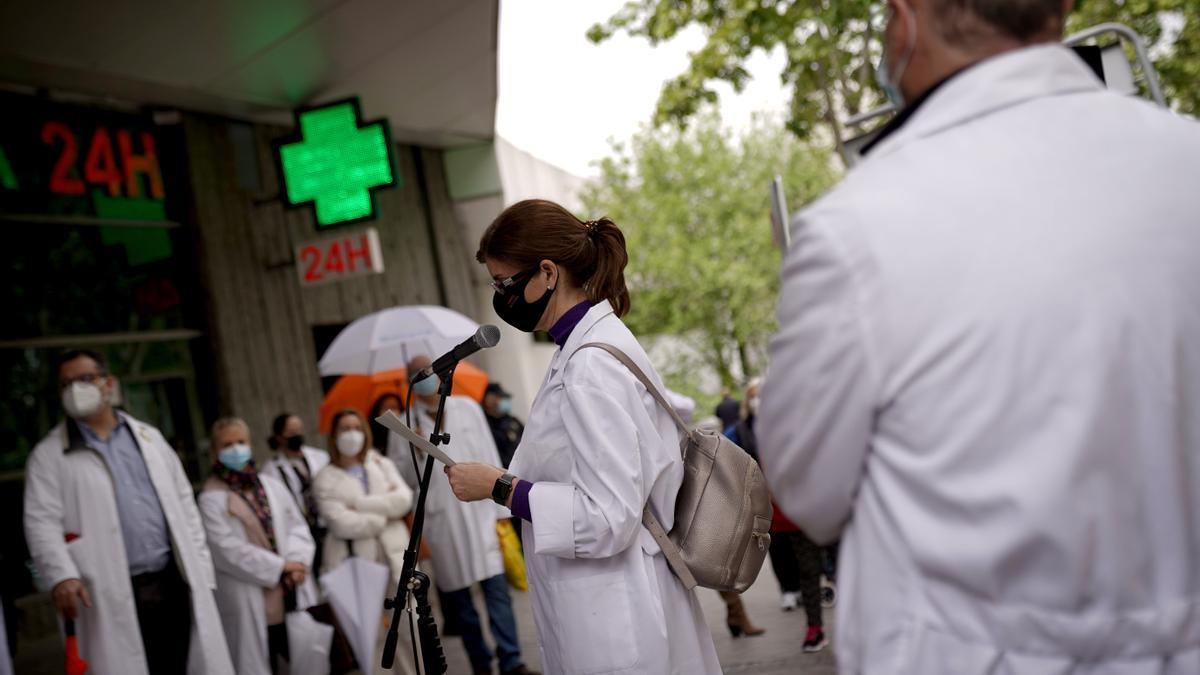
x,y
66,356
368,441
375,409
280,422
963,22
592,252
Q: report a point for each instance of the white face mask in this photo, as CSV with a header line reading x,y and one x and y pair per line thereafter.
x,y
82,399
753,405
350,443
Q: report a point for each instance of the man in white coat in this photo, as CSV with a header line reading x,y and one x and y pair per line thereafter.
x,y
462,537
113,529
987,371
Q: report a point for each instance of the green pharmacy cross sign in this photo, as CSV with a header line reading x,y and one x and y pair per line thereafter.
x,y
336,162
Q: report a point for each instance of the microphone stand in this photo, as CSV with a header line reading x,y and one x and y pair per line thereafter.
x,y
413,580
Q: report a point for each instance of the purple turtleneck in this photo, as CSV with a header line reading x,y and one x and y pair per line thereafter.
x,y
560,331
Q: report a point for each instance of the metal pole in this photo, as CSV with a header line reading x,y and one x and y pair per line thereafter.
x,y
779,207
1139,50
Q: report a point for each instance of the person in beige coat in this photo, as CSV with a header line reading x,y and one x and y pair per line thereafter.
x,y
363,500
262,551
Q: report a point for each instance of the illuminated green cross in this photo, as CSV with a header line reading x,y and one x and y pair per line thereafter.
x,y
337,163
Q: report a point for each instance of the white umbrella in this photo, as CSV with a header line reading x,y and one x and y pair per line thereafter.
x,y
389,338
308,644
355,590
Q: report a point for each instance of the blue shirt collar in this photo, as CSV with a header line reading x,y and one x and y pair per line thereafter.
x,y
561,330
90,433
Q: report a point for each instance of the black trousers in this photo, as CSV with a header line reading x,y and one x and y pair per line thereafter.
x,y
164,608
808,554
784,562
277,646
797,562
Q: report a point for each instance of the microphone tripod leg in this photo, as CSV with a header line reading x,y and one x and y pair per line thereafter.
x,y
431,645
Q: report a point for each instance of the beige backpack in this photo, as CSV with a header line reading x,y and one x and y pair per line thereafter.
x,y
723,511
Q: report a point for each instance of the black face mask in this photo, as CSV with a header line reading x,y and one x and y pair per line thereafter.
x,y
295,442
516,312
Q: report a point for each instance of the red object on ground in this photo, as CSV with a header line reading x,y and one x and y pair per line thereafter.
x,y
75,663
362,391
780,522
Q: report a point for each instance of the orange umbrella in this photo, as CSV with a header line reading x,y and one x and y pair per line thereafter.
x,y
362,391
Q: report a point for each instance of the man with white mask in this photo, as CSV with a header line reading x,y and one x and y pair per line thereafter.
x,y
987,371
461,536
113,530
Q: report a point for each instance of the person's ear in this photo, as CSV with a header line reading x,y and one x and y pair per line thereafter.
x,y
551,271
904,14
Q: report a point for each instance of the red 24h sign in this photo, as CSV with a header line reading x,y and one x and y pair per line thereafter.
x,y
344,256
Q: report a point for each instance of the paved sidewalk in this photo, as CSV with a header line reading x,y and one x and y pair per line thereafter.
x,y
775,653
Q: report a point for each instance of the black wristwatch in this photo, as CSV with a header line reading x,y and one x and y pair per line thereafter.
x,y
503,488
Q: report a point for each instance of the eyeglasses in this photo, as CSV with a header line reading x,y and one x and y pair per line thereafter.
x,y
86,378
515,282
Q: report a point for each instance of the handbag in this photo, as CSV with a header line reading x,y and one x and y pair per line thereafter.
x,y
722,512
514,559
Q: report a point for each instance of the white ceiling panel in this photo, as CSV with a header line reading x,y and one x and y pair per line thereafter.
x,y
427,65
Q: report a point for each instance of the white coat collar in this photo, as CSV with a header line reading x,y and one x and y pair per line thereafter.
x,y
585,325
140,431
994,84
576,339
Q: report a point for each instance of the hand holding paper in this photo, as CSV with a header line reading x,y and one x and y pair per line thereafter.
x,y
394,423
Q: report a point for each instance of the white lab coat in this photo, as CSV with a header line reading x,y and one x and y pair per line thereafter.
x,y
72,491
280,467
461,536
597,448
373,521
244,570
988,373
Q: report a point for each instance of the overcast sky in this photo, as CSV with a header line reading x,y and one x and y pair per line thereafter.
x,y
561,97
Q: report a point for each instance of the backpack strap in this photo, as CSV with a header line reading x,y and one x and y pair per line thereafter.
x,y
649,521
641,377
669,548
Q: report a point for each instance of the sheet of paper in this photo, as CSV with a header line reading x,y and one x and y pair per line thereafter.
x,y
390,420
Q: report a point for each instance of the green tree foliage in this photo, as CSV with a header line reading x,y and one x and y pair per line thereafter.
x,y
833,45
695,210
1171,29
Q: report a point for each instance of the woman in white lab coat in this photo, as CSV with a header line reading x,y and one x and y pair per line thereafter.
x,y
596,450
261,549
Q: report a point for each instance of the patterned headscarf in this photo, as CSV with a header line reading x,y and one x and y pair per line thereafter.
x,y
246,481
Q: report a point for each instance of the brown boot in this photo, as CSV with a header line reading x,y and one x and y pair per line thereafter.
x,y
736,618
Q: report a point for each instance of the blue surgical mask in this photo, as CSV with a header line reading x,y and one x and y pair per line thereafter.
x,y
426,387
235,457
888,81
504,406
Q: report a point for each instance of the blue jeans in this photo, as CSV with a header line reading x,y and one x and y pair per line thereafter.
x,y
500,620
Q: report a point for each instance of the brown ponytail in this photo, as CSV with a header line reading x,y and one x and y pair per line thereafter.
x,y
591,252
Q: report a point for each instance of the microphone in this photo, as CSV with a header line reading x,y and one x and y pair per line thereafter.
x,y
487,336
